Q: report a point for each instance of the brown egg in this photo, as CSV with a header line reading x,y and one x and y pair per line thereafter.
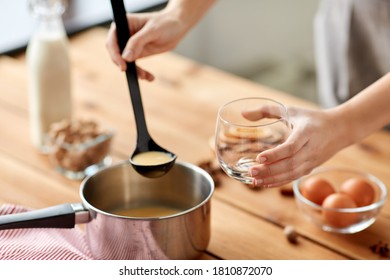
x,y
339,219
316,189
360,190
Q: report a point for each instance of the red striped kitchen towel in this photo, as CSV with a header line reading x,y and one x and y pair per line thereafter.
x,y
42,243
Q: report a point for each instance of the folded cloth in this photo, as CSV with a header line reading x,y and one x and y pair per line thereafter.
x,y
41,243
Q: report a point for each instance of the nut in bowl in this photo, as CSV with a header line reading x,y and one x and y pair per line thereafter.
x,y
79,148
351,203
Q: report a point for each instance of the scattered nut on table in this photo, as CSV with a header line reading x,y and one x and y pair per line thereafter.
x,y
291,234
381,248
286,190
78,144
212,167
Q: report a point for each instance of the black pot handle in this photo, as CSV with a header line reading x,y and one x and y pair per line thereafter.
x,y
59,216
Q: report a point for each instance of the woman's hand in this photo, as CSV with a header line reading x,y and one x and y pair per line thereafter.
x,y
315,137
156,32
153,33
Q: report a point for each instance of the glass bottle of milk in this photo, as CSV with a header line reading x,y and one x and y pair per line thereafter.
x,y
48,70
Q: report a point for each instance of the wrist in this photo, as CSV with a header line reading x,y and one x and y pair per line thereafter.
x,y
188,12
343,127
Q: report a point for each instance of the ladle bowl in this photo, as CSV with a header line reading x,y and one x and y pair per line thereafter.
x,y
153,170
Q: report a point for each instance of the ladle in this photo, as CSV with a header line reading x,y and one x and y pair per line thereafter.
x,y
145,143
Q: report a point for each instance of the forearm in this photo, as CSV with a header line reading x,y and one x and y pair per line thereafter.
x,y
189,11
366,112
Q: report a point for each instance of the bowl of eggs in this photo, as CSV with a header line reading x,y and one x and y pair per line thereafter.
x,y
340,200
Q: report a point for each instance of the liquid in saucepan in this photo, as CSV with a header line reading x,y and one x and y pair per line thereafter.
x,y
147,211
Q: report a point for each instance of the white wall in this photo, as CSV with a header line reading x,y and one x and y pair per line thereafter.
x,y
245,36
238,33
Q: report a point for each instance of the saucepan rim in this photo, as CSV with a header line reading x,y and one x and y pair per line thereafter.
x,y
187,165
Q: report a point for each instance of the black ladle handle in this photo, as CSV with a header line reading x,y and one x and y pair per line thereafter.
x,y
123,35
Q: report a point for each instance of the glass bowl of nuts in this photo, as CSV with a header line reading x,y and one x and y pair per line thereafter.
x,y
79,148
341,200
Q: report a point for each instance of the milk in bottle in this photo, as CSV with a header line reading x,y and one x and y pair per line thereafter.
x,y
48,70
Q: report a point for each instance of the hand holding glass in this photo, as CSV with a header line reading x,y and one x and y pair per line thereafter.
x,y
246,127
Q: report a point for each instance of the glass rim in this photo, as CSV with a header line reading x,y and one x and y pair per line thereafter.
x,y
280,119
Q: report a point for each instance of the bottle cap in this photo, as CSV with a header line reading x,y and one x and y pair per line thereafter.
x,y
47,7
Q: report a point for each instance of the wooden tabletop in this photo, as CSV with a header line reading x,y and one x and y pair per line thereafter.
x,y
181,108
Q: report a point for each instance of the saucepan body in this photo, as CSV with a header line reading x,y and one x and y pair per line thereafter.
x,y
129,216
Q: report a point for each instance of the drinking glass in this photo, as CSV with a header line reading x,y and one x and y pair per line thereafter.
x,y
246,127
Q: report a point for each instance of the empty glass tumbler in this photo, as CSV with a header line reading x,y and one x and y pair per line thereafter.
x,y
246,127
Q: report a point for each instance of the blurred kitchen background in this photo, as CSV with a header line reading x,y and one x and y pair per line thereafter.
x,y
267,41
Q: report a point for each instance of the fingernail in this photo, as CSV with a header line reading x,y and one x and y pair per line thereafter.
x,y
127,54
258,182
253,172
262,159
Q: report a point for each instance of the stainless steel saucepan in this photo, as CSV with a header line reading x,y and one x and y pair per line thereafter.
x,y
183,234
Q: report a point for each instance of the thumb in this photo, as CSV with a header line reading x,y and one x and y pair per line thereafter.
x,y
263,111
136,44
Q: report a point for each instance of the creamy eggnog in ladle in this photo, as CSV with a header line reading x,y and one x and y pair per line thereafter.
x,y
152,158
